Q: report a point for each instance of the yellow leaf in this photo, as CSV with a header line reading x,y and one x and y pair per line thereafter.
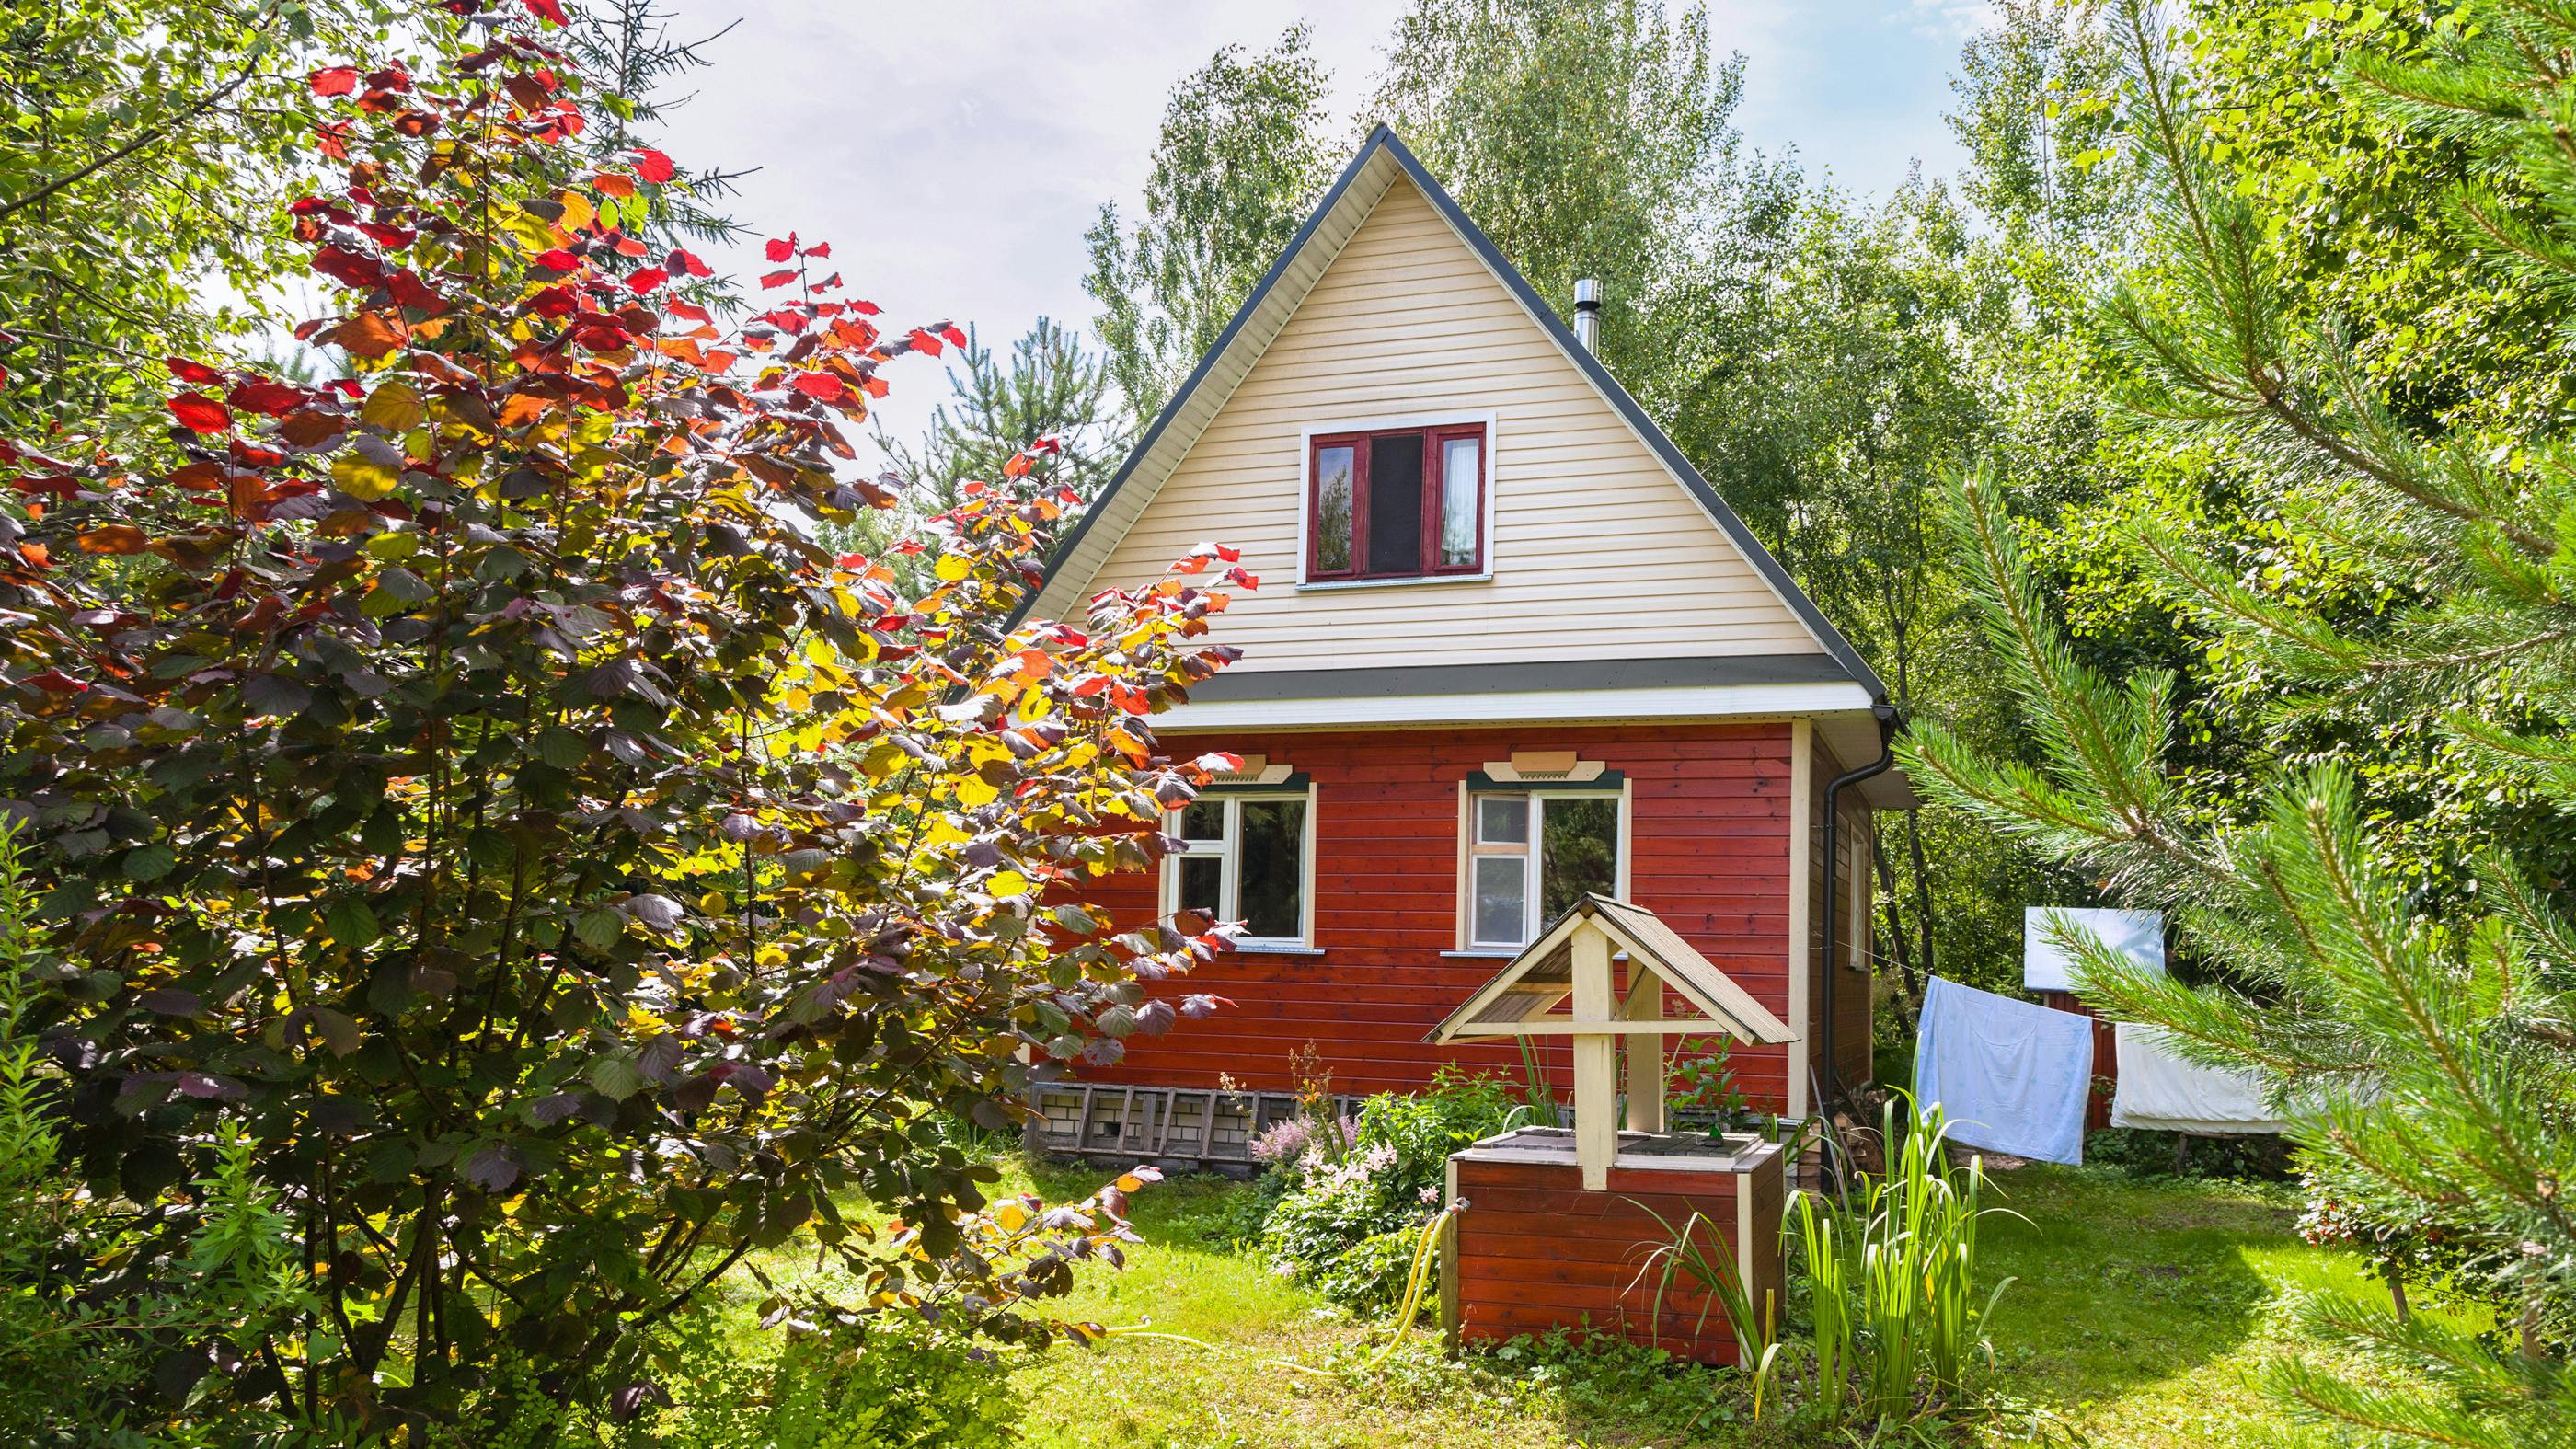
x,y
394,407
952,568
1008,883
1130,1182
972,791
363,478
578,212
1012,1217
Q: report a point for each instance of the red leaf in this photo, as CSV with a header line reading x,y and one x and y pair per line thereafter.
x,y
647,279
777,279
196,373
652,166
875,386
1017,467
820,384
54,681
200,413
866,309
819,249
779,251
338,80
558,260
390,236
348,268
551,302
923,341
259,395
687,264
949,331
687,311
410,291
549,11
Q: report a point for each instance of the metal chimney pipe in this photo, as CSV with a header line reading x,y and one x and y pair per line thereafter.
x,y
1587,314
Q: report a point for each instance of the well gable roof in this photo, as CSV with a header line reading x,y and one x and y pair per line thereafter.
x,y
1380,162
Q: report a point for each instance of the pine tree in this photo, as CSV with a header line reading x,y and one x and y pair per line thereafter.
x,y
2428,1060
1052,387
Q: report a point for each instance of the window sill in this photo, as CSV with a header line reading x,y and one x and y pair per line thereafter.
x,y
1335,585
1486,953
1257,948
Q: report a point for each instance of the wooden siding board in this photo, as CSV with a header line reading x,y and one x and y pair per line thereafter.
x,y
1597,550
1385,910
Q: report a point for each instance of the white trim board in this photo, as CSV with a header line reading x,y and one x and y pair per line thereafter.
x,y
1717,701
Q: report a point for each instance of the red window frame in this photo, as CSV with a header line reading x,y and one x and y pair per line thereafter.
x,y
1434,443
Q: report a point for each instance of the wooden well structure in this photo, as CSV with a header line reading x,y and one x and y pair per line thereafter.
x,y
1559,1228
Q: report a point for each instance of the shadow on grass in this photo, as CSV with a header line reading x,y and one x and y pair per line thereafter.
x,y
2122,1283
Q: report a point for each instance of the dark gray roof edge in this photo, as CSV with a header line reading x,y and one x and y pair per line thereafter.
x,y
1384,138
1171,409
1235,686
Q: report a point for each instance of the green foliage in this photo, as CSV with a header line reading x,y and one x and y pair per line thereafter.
x,y
2411,573
1348,1223
473,809
144,147
1589,138
1240,160
1894,1321
86,1356
897,1382
1703,1080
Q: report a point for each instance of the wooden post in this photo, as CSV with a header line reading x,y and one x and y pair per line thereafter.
x,y
1645,1051
1596,1060
1449,1321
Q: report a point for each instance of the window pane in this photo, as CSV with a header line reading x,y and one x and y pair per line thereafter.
x,y
1502,901
1201,878
1203,820
1578,852
1502,819
1395,504
1332,520
1458,517
1273,882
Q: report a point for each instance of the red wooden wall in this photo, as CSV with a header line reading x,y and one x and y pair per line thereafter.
x,y
1536,1252
1709,832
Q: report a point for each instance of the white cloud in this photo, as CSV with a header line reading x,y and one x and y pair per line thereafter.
x,y
953,151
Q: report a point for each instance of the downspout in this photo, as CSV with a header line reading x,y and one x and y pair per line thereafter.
x,y
1830,1084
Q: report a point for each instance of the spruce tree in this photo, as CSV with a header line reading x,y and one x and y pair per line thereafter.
x,y
2426,1057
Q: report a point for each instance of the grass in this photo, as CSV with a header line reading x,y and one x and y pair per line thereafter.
x,y
2141,1308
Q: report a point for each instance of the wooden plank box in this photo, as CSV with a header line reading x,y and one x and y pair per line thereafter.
x,y
1532,1251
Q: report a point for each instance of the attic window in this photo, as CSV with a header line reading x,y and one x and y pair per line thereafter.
x,y
1406,503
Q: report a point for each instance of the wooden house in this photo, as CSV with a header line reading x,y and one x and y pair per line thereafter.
x,y
1509,647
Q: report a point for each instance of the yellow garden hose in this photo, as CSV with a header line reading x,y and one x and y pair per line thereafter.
x,y
1413,1286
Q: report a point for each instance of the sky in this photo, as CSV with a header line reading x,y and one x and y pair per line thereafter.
x,y
954,151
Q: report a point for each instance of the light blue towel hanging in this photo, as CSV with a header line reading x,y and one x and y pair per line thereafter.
x,y
2010,1076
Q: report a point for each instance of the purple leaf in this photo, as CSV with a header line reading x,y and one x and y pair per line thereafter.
x,y
170,1001
493,1168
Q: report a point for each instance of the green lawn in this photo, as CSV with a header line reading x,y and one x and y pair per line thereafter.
x,y
2138,1309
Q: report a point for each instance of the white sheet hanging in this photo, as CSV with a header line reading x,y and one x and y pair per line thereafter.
x,y
2163,1093
2011,1076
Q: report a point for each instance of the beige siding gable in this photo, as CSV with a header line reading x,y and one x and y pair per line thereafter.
x,y
1597,552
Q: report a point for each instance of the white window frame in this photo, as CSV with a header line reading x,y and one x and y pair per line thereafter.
x,y
1473,848
1229,850
1393,423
